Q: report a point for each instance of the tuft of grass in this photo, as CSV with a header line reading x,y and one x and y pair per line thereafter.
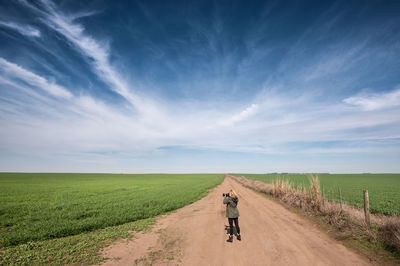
x,y
390,234
78,249
286,191
314,199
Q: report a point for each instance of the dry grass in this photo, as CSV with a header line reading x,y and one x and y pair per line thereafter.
x,y
390,234
346,219
256,185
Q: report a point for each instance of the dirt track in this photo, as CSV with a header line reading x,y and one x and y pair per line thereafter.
x,y
194,235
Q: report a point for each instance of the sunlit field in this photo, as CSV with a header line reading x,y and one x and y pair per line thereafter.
x,y
45,206
383,189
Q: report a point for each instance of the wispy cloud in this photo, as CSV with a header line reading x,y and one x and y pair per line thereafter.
x,y
26,30
15,71
97,52
375,101
246,113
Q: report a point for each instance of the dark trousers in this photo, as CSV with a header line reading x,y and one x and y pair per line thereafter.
x,y
231,220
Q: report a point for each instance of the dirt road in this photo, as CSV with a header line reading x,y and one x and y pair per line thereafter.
x,y
194,235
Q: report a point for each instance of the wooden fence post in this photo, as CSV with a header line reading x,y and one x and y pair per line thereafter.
x,y
366,208
323,196
340,199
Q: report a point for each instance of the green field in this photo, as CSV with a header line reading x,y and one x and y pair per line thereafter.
x,y
383,189
46,206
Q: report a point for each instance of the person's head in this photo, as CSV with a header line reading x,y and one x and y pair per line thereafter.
x,y
233,194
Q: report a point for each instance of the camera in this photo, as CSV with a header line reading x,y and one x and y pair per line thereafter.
x,y
225,194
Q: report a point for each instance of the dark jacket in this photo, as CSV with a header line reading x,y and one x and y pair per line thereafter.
x,y
231,207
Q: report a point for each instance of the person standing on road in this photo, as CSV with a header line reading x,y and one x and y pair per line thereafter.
x,y
231,200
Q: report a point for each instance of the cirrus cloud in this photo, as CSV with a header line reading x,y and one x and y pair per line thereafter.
x,y
375,101
15,71
26,30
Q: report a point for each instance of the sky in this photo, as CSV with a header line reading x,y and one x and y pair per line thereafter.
x,y
199,86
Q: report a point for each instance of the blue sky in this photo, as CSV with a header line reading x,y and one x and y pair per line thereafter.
x,y
200,86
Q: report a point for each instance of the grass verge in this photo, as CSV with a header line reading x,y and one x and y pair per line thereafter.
x,y
78,249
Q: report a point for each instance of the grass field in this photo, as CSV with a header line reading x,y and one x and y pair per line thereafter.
x,y
383,189
47,206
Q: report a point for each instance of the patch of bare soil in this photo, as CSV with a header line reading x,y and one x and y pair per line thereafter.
x,y
195,235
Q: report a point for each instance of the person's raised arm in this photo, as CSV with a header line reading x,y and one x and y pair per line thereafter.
x,y
226,200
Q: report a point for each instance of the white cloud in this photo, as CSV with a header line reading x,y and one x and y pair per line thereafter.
x,y
98,54
88,128
96,51
375,101
246,113
26,30
16,71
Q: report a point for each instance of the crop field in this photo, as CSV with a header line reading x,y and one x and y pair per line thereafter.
x,y
46,206
383,189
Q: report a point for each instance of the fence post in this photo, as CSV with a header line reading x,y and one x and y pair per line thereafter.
x,y
340,199
323,196
366,207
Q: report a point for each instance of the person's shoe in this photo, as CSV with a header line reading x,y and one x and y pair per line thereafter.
x,y
230,239
238,237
